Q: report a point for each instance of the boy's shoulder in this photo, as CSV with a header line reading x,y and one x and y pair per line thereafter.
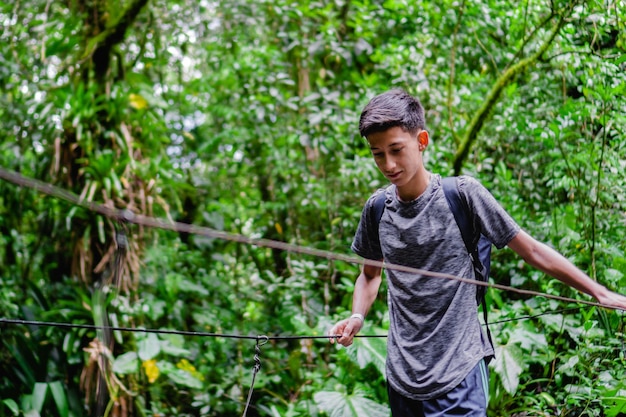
x,y
471,187
468,180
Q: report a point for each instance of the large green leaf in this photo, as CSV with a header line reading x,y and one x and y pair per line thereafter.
x,y
616,405
184,378
39,396
60,399
179,376
527,337
126,363
148,347
509,364
12,405
369,350
339,404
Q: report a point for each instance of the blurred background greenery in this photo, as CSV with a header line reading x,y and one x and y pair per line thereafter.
x,y
242,116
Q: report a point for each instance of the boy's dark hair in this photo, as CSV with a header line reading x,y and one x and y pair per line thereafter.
x,y
393,108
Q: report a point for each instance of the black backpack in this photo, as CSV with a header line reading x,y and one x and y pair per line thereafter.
x,y
477,244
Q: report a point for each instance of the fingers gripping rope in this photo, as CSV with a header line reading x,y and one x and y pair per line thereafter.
x,y
260,341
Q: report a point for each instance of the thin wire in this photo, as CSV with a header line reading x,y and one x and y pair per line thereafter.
x,y
235,336
277,337
622,330
260,341
139,219
161,331
534,316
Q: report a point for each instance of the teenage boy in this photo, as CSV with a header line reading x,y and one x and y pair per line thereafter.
x,y
436,350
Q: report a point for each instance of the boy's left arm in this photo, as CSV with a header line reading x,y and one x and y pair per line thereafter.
x,y
546,259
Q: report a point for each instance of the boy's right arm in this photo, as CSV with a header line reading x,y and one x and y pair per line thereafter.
x,y
365,292
556,265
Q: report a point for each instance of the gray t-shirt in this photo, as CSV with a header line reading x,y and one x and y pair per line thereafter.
x,y
435,338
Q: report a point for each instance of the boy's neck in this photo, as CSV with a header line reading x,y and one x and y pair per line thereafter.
x,y
415,188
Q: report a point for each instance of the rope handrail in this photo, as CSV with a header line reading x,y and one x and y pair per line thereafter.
x,y
125,215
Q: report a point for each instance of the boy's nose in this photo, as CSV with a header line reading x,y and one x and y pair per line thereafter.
x,y
389,165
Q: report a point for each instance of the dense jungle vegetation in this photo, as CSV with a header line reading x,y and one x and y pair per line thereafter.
x,y
241,116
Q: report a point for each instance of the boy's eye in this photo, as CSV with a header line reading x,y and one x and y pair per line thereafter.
x,y
397,150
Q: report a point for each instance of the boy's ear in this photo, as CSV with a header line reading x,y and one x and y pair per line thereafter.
x,y
422,138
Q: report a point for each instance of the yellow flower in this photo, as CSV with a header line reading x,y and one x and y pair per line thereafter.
x,y
137,101
186,366
151,369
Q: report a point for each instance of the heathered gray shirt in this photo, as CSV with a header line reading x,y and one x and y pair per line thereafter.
x,y
435,338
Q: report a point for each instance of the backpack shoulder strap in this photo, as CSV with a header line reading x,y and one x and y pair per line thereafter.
x,y
471,238
463,216
377,209
459,208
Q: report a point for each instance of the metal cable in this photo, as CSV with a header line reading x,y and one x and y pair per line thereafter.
x,y
160,331
260,341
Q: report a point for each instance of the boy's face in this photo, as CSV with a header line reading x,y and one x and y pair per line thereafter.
x,y
398,155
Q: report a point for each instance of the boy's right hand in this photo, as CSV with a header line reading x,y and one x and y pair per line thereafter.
x,y
344,331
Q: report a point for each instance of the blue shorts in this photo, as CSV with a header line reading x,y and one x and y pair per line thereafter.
x,y
469,399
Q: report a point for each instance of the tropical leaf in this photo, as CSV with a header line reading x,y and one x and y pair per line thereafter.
x,y
527,337
12,405
616,404
179,376
148,347
60,399
126,363
39,396
509,364
339,404
369,350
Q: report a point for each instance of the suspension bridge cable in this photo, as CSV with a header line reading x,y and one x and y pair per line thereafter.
x,y
4,320
167,331
125,215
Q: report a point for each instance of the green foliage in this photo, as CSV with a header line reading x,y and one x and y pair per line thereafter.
x,y
242,116
337,404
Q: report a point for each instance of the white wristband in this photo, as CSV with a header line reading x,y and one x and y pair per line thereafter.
x,y
358,316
